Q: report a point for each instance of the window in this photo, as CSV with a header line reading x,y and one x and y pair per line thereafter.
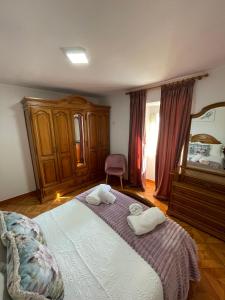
x,y
152,130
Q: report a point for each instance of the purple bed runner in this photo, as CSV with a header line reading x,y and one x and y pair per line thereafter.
x,y
169,249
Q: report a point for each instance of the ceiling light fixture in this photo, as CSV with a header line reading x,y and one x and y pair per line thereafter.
x,y
76,55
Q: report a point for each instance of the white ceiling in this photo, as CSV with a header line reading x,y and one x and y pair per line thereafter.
x,y
130,42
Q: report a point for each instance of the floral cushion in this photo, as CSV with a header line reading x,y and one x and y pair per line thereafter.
x,y
32,272
199,148
19,224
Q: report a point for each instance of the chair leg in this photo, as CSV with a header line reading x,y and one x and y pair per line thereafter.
x,y
121,182
106,180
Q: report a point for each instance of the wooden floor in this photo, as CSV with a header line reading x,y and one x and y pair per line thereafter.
x,y
211,250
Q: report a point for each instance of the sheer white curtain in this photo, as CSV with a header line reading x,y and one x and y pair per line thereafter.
x,y
152,129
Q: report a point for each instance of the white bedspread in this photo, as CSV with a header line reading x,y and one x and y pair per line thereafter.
x,y
96,263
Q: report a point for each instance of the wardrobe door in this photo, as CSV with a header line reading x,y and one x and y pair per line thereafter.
x,y
103,123
92,124
63,134
45,145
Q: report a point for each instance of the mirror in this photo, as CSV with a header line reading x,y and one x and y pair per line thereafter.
x,y
206,146
79,139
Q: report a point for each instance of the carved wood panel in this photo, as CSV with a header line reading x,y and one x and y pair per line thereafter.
x,y
44,132
49,171
103,140
98,133
45,145
204,138
93,130
104,130
62,125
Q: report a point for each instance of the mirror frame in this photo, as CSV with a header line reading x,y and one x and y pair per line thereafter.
x,y
186,145
74,112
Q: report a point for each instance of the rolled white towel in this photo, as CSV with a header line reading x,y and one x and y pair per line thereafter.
x,y
147,221
135,209
106,197
93,197
105,187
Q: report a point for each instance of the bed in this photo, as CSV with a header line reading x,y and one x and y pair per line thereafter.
x,y
206,151
98,263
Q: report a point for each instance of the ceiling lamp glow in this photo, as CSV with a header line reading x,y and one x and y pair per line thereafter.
x,y
76,55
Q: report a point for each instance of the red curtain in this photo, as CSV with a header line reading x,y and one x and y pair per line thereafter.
x,y
175,111
136,174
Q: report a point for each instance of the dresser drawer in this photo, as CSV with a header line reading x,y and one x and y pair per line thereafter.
x,y
199,205
202,196
199,201
194,216
206,185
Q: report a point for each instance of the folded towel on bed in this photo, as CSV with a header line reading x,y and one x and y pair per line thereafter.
x,y
146,221
106,196
135,209
100,194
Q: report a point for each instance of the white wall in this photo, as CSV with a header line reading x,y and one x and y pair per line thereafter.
x,y
208,90
119,122
16,172
215,127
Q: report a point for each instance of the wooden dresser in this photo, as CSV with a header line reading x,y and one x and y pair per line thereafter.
x,y
69,141
198,198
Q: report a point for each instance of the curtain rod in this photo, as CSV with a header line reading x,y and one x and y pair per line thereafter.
x,y
198,76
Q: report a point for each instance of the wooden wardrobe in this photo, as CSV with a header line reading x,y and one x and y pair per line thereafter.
x,y
69,141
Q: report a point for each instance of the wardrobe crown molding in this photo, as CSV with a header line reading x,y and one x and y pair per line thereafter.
x,y
66,102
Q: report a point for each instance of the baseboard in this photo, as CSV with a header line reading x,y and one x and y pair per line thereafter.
x,y
34,193
21,197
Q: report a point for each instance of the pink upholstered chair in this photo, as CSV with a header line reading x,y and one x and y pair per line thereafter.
x,y
115,164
